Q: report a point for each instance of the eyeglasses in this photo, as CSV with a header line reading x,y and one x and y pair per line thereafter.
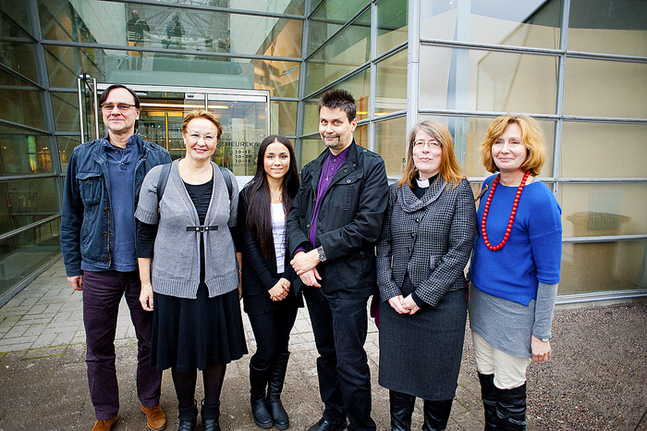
x,y
208,139
122,107
430,144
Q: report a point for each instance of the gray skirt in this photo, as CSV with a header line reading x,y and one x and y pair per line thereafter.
x,y
420,355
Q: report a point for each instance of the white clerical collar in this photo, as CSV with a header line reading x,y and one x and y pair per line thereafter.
x,y
423,184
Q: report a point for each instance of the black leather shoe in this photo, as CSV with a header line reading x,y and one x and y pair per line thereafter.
x,y
187,425
325,425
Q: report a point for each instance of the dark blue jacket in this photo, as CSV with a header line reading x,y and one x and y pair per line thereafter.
x,y
87,224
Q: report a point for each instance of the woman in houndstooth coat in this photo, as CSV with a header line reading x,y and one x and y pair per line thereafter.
x,y
426,241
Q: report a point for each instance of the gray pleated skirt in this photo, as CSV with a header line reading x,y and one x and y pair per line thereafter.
x,y
420,355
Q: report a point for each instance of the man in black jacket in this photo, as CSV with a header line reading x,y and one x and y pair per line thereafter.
x,y
332,229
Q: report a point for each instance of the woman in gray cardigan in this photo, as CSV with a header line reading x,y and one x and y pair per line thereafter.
x,y
196,322
425,243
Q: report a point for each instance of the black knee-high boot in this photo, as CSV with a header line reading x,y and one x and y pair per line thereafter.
x,y
436,415
488,394
258,382
511,409
401,406
274,389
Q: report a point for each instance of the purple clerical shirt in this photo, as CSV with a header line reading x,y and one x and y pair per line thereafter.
x,y
329,169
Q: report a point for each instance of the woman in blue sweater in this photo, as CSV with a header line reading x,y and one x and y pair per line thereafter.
x,y
515,269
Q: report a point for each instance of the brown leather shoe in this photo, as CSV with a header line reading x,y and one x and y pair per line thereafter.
x,y
104,425
155,417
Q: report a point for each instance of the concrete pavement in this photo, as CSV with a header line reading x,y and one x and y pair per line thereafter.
x,y
597,378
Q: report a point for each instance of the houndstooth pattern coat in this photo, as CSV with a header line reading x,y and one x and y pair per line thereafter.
x,y
431,238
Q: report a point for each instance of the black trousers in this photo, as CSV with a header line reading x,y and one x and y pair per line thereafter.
x,y
272,333
340,326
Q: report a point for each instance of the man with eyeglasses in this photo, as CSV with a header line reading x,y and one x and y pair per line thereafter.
x,y
98,244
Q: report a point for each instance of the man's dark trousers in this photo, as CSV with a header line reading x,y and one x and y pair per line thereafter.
x,y
102,292
340,326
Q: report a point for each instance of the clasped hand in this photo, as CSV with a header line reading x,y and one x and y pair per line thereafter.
x,y
305,265
280,290
404,305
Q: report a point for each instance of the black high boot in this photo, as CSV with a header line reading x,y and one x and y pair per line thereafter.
x,y
511,409
210,415
258,381
401,406
274,389
488,394
436,415
188,417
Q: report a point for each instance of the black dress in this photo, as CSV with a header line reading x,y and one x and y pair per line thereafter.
x,y
193,333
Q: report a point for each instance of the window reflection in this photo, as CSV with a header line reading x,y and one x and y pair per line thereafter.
x,y
66,111
585,150
608,27
603,209
66,145
602,266
21,103
24,253
27,201
284,118
17,49
622,87
349,49
487,81
392,84
391,144
529,23
145,26
392,28
330,16
23,154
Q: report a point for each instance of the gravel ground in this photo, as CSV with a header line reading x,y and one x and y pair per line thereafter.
x,y
597,376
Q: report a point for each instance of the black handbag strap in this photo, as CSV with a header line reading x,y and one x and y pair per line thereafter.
x,y
485,189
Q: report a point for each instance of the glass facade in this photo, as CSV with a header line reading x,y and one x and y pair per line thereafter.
x,y
578,66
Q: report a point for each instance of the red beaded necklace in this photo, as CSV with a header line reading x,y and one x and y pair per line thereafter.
x,y
513,213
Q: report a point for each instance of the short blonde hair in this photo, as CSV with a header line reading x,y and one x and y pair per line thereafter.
x,y
201,113
449,169
531,138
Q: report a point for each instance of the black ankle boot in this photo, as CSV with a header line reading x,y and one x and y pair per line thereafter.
x,y
188,417
488,395
401,408
258,381
210,415
436,415
274,389
511,409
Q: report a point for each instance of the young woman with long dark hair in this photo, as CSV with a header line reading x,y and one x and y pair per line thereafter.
x,y
267,277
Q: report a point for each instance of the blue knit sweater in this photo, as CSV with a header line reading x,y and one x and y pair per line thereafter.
x,y
533,251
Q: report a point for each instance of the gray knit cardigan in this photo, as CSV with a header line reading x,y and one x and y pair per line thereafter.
x,y
176,258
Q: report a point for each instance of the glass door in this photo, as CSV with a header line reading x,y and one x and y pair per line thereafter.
x,y
243,114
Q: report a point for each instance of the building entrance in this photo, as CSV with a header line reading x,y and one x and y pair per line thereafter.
x,y
243,114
